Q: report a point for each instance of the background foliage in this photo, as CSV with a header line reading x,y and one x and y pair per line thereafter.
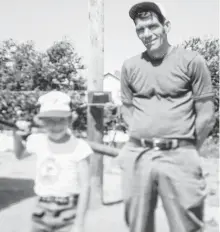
x,y
209,49
26,72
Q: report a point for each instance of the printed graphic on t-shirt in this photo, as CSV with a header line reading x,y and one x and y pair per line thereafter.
x,y
49,171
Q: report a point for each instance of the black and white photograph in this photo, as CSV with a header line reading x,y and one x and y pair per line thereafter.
x,y
109,116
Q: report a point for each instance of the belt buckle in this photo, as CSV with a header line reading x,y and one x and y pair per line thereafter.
x,y
170,144
174,143
46,199
156,141
62,200
143,144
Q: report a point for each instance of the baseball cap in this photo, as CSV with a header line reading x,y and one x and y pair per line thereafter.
x,y
147,6
54,104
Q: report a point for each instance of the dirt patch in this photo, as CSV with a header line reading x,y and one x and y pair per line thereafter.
x,y
16,198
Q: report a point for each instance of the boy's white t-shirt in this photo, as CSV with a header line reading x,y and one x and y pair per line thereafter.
x,y
57,172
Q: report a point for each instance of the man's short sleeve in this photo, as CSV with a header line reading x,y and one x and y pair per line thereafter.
x,y
200,78
126,93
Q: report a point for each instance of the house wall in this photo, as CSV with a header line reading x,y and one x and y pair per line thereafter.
x,y
112,84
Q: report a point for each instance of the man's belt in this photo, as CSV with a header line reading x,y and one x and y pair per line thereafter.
x,y
162,143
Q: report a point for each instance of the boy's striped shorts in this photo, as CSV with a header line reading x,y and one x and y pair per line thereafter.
x,y
54,214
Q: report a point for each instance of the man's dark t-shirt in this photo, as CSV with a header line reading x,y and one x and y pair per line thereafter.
x,y
163,93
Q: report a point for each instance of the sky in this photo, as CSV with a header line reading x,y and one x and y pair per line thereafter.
x,y
47,21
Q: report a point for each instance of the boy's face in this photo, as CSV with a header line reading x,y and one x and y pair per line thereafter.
x,y
56,127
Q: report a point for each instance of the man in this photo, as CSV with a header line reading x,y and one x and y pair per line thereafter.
x,y
168,105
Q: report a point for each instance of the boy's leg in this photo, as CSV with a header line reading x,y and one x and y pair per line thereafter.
x,y
39,228
66,218
53,217
182,188
37,219
67,228
66,221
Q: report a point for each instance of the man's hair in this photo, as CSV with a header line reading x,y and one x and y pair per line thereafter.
x,y
149,14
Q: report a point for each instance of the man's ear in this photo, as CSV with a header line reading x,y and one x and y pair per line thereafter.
x,y
167,26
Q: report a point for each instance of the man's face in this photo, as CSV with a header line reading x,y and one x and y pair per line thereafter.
x,y
151,32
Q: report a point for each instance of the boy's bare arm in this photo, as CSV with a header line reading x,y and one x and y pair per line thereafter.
x,y
19,142
83,204
19,146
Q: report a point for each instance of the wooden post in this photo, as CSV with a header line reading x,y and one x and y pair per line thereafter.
x,y
95,83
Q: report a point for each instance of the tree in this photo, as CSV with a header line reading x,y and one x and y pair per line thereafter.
x,y
25,73
60,68
22,68
209,49
17,62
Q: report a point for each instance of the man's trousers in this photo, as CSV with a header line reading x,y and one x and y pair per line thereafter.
x,y
175,175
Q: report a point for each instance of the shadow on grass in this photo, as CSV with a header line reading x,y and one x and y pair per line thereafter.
x,y
14,190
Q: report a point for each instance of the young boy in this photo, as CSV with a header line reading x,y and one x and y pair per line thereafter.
x,y
62,174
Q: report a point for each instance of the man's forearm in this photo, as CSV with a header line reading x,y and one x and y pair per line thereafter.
x,y
205,121
203,128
